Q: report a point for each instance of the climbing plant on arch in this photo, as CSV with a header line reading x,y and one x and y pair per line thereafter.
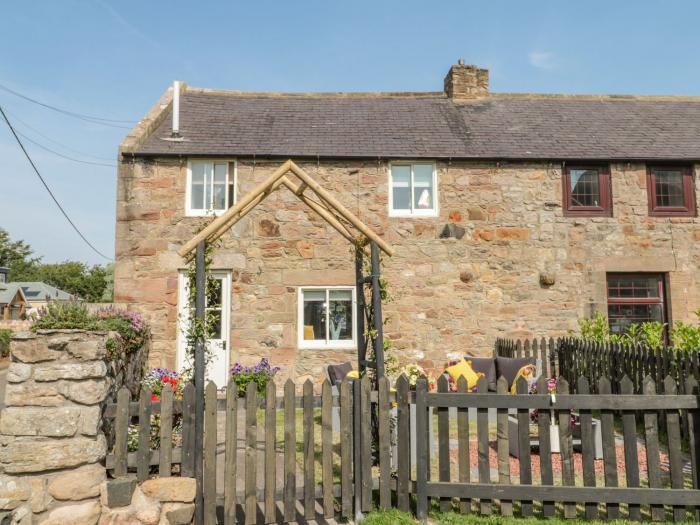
x,y
343,221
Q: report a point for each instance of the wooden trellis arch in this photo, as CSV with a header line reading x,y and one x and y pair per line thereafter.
x,y
343,221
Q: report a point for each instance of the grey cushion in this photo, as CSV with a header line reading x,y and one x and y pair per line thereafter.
x,y
338,372
508,366
487,366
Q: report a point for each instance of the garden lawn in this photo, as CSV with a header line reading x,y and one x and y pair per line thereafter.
x,y
436,518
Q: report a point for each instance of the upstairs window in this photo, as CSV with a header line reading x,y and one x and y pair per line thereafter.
x,y
211,187
587,191
326,317
671,191
635,299
412,190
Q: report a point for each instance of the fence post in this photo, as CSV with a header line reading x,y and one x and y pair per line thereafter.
x,y
200,291
691,388
421,450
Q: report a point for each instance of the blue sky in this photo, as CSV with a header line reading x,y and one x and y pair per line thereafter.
x,y
114,59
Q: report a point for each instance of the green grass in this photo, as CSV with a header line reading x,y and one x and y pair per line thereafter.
x,y
436,518
388,517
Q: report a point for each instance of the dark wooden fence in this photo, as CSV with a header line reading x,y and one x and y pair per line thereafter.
x,y
572,358
650,490
270,459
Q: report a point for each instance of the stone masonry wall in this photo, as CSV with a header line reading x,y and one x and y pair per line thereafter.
x,y
51,443
450,296
52,447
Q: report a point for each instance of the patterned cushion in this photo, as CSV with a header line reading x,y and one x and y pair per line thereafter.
x,y
508,367
463,369
487,366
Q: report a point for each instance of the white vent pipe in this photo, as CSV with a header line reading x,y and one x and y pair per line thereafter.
x,y
176,108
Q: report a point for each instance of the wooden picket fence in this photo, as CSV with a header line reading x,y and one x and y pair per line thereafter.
x,y
572,358
251,476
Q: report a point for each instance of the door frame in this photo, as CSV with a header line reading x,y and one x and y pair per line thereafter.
x,y
226,304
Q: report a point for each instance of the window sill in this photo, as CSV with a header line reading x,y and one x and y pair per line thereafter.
x,y
660,212
587,213
204,213
427,214
351,345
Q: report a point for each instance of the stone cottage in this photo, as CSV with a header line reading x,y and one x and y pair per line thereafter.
x,y
510,215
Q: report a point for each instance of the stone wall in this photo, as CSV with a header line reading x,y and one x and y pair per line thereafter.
x,y
51,443
52,446
450,296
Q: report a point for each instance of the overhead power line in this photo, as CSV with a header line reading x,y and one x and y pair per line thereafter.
x,y
16,119
36,170
94,163
88,118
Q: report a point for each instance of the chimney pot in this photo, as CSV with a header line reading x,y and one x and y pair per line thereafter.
x,y
466,81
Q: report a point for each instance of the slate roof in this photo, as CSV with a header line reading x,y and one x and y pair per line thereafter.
x,y
431,125
39,291
8,292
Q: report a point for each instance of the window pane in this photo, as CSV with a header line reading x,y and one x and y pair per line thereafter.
x,y
423,186
340,315
621,316
214,328
207,185
314,315
669,188
401,187
197,188
625,287
213,299
219,202
585,188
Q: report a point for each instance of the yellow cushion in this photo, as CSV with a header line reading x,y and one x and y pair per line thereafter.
x,y
353,374
527,372
308,332
463,369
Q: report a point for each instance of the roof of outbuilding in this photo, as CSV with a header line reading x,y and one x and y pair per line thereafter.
x,y
430,125
40,291
8,291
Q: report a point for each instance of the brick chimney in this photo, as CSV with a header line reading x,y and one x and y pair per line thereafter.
x,y
466,81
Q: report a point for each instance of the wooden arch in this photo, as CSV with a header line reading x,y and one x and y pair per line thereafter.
x,y
327,206
344,222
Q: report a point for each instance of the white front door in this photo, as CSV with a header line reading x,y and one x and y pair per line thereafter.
x,y
218,307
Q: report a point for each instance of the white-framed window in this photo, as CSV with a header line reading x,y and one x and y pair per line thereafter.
x,y
413,189
211,187
326,317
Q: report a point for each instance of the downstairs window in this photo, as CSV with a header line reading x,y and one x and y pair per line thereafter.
x,y
635,298
326,317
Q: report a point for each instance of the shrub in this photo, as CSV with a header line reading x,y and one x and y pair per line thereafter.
x,y
132,332
5,335
260,374
686,337
66,315
130,328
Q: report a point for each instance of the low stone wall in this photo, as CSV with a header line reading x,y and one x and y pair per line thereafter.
x,y
161,501
52,447
15,325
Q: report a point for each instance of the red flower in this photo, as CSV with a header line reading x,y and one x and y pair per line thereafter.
x,y
154,397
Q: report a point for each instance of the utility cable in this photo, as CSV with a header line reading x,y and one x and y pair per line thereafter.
x,y
88,118
16,119
94,163
36,170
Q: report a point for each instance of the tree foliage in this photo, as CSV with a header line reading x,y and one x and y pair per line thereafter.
x,y
91,283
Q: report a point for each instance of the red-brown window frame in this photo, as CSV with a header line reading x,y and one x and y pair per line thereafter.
x,y
605,209
688,209
662,300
